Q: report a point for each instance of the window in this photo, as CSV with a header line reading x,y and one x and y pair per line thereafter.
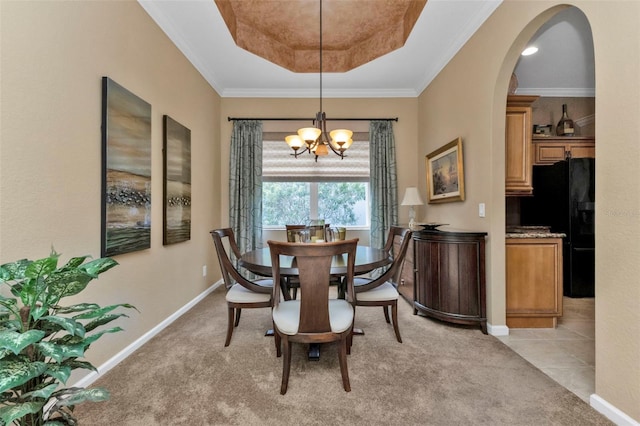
x,y
296,190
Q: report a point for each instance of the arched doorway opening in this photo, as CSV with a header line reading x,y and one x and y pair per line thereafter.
x,y
566,352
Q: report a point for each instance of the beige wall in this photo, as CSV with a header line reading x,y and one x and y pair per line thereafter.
x,y
467,99
54,55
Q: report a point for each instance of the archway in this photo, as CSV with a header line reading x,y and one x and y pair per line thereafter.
x,y
508,66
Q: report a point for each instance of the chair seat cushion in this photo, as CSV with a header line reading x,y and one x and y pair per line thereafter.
x,y
239,294
383,292
286,316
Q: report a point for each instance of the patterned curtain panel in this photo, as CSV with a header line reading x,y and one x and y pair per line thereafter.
x,y
245,184
383,181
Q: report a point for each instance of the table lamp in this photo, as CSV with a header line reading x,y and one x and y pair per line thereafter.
x,y
412,198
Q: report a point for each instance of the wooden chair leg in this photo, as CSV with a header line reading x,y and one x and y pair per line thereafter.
x,y
284,286
229,325
343,363
286,366
386,314
394,315
238,311
277,339
350,336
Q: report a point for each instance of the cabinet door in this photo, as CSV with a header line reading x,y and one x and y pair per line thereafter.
x,y
549,153
448,280
534,282
583,150
556,149
518,161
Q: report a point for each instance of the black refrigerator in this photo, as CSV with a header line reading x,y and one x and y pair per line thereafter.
x,y
564,199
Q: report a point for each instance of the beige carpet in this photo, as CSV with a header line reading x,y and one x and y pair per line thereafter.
x,y
440,375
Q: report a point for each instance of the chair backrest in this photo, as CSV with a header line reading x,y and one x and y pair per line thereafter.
x,y
394,231
313,261
230,273
392,273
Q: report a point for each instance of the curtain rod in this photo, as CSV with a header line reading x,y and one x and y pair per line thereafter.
x,y
312,119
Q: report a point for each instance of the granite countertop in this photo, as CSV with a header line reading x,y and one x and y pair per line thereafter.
x,y
532,232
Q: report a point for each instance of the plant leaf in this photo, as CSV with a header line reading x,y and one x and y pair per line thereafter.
x,y
41,267
30,290
16,372
16,342
9,413
105,319
98,266
74,396
56,423
74,262
65,283
100,311
90,339
76,308
74,363
60,372
73,327
38,311
14,270
86,341
43,393
60,352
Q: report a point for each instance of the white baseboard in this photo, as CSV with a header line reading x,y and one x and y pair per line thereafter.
x,y
120,356
611,412
497,330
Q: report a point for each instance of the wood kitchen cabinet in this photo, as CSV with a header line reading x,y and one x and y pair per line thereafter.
x,y
518,148
550,150
534,282
450,276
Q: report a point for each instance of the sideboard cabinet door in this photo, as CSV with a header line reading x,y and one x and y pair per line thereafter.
x,y
450,276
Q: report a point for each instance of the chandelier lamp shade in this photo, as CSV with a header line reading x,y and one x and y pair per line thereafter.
x,y
412,198
316,140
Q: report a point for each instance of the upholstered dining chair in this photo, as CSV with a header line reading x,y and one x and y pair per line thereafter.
x,y
382,291
241,292
314,318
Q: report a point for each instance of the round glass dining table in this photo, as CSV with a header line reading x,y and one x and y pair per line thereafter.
x,y
367,259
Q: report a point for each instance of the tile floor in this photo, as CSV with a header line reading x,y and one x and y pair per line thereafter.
x,y
566,353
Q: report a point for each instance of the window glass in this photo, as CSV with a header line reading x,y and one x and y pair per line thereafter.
x,y
296,190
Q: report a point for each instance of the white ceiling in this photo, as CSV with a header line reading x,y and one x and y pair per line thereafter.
x,y
564,63
198,30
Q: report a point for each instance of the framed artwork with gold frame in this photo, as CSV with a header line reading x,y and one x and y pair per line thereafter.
x,y
445,173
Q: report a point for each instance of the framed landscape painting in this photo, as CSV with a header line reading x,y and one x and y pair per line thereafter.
x,y
445,173
177,182
126,171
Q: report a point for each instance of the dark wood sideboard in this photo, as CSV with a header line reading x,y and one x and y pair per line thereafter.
x,y
448,276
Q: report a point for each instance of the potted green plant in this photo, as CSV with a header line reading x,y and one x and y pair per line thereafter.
x,y
42,342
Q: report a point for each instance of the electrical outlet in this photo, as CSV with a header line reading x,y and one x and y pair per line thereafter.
x,y
204,271
481,211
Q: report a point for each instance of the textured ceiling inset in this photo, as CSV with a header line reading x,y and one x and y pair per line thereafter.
x,y
287,32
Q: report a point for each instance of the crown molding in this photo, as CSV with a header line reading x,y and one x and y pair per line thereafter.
x,y
558,92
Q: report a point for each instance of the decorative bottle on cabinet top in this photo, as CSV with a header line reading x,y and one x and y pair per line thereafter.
x,y
565,125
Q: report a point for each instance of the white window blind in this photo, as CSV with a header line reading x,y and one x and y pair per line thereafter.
x,y
279,165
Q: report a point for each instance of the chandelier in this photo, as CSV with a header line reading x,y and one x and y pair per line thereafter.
x,y
316,140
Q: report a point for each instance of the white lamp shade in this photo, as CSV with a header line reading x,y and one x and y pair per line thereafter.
x,y
411,197
294,141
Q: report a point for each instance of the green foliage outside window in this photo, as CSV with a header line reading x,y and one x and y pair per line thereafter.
x,y
338,203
